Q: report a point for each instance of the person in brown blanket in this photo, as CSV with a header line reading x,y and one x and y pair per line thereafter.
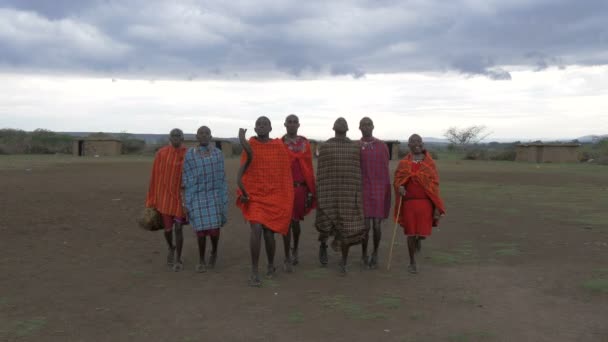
x,y
339,194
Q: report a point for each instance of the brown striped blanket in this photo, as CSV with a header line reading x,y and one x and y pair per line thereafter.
x,y
339,192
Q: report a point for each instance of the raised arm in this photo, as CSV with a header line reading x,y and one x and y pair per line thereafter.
x,y
243,168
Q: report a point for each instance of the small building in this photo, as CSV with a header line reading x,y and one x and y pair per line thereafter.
x,y
547,153
84,147
222,144
393,149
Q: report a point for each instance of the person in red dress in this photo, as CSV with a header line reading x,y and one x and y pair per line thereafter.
x,y
417,184
303,185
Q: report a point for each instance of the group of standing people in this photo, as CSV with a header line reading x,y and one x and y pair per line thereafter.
x,y
277,188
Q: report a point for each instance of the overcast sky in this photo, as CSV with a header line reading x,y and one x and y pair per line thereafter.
x,y
525,69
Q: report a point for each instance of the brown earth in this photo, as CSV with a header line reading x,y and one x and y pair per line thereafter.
x,y
74,267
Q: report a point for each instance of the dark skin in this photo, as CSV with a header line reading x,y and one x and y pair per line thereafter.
x,y
204,137
263,128
366,126
340,129
292,124
414,243
176,137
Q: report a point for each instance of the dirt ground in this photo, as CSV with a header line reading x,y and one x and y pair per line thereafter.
x,y
521,256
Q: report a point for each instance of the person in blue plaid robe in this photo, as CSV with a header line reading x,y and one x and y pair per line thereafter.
x,y
205,194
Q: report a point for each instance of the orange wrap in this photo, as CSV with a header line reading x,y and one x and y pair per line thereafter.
x,y
166,181
269,184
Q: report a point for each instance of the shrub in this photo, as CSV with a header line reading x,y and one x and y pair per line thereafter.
x,y
504,155
476,154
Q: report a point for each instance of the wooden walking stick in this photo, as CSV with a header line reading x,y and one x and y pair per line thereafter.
x,y
390,251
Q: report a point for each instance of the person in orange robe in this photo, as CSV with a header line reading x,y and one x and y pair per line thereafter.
x,y
417,191
265,194
303,185
164,194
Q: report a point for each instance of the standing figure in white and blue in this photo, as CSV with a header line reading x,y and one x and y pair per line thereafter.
x,y
205,194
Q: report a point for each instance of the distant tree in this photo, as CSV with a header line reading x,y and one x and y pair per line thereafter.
x,y
463,137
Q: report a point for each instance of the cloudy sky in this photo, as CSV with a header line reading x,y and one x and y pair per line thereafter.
x,y
525,69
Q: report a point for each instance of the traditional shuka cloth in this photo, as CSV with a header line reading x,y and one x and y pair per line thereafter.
x,y
165,184
303,175
376,178
340,203
422,195
269,184
169,220
205,189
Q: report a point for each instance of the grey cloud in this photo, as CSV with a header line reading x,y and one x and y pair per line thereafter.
x,y
136,38
347,70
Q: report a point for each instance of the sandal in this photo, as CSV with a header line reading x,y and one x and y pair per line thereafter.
x,y
171,256
373,262
294,256
254,281
212,259
178,266
201,268
271,271
342,268
288,266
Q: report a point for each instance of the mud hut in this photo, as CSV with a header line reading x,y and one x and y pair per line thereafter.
x,y
393,149
547,153
84,147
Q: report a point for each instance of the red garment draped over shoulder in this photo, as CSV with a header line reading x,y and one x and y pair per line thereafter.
x,y
426,176
166,181
269,184
304,159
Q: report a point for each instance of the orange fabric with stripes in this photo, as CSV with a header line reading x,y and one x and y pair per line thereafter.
x,y
269,183
426,176
166,181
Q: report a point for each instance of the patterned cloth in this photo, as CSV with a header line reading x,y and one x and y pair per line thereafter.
x,y
376,178
425,175
340,207
303,175
269,183
205,188
166,181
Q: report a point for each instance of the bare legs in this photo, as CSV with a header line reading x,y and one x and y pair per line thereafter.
x,y
174,256
255,245
202,245
376,225
291,253
414,245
